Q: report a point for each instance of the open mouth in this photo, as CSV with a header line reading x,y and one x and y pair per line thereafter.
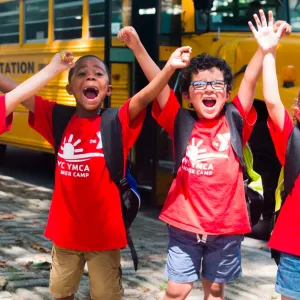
x,y
209,102
91,92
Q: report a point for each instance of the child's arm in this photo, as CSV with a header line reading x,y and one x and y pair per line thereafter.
x,y
179,59
59,63
7,85
129,36
267,41
247,88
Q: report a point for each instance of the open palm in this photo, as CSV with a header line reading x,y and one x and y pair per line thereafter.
x,y
264,34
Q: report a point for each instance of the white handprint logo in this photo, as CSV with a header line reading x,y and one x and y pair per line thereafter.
x,y
70,151
193,151
196,154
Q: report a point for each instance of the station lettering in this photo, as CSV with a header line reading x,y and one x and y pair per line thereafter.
x,y
17,67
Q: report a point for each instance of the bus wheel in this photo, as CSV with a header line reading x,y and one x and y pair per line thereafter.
x,y
2,153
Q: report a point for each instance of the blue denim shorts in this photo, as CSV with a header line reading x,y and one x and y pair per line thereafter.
x,y
218,256
288,276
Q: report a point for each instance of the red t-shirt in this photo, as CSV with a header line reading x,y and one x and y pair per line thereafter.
x,y
285,236
85,212
207,196
5,122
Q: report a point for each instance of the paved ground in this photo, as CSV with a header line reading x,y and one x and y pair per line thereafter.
x,y
25,253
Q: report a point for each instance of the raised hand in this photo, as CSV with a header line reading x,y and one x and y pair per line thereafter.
x,y
265,36
180,58
63,61
129,36
287,29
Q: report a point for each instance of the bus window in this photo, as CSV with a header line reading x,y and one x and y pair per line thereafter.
x,y
36,20
170,23
121,14
295,14
228,15
9,22
67,19
202,11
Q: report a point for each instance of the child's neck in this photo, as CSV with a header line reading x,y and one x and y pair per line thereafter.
x,y
83,113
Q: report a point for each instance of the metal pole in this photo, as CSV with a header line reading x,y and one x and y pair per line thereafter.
x,y
107,40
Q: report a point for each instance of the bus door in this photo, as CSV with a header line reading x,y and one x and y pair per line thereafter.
x,y
158,23
145,20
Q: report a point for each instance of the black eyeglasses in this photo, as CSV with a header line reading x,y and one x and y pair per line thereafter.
x,y
215,84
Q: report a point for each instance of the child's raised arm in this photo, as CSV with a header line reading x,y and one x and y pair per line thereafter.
x,y
129,36
247,88
179,59
268,40
60,62
6,84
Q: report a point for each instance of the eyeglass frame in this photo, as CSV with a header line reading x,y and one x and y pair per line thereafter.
x,y
208,83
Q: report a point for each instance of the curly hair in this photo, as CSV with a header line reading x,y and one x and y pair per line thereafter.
x,y
71,71
204,62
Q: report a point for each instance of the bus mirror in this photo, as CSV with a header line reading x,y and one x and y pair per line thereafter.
x,y
289,76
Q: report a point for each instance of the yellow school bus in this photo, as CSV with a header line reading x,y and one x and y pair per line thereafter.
x,y
31,31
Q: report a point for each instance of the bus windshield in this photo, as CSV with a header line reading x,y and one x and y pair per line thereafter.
x,y
294,10
230,15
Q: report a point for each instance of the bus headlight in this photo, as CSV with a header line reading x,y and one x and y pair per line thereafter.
x,y
289,76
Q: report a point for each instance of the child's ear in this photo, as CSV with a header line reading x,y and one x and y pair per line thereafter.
x,y
186,97
109,90
228,95
69,89
297,112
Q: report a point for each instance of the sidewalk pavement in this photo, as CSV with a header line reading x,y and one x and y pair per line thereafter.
x,y
25,254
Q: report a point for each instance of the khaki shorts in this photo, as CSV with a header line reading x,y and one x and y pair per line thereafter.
x,y
104,273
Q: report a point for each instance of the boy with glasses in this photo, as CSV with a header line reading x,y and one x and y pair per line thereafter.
x,y
206,208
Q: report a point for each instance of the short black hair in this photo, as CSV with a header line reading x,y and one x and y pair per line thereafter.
x,y
204,62
71,71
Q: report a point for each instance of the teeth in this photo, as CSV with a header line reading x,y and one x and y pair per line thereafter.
x,y
91,87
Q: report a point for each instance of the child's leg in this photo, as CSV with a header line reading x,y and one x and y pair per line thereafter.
x,y
288,277
105,275
221,264
177,291
183,263
66,271
212,290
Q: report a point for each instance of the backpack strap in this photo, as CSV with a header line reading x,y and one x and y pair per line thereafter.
x,y
111,134
236,122
61,116
184,123
292,161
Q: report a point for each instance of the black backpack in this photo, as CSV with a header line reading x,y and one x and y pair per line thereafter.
x,y
290,173
184,123
111,134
